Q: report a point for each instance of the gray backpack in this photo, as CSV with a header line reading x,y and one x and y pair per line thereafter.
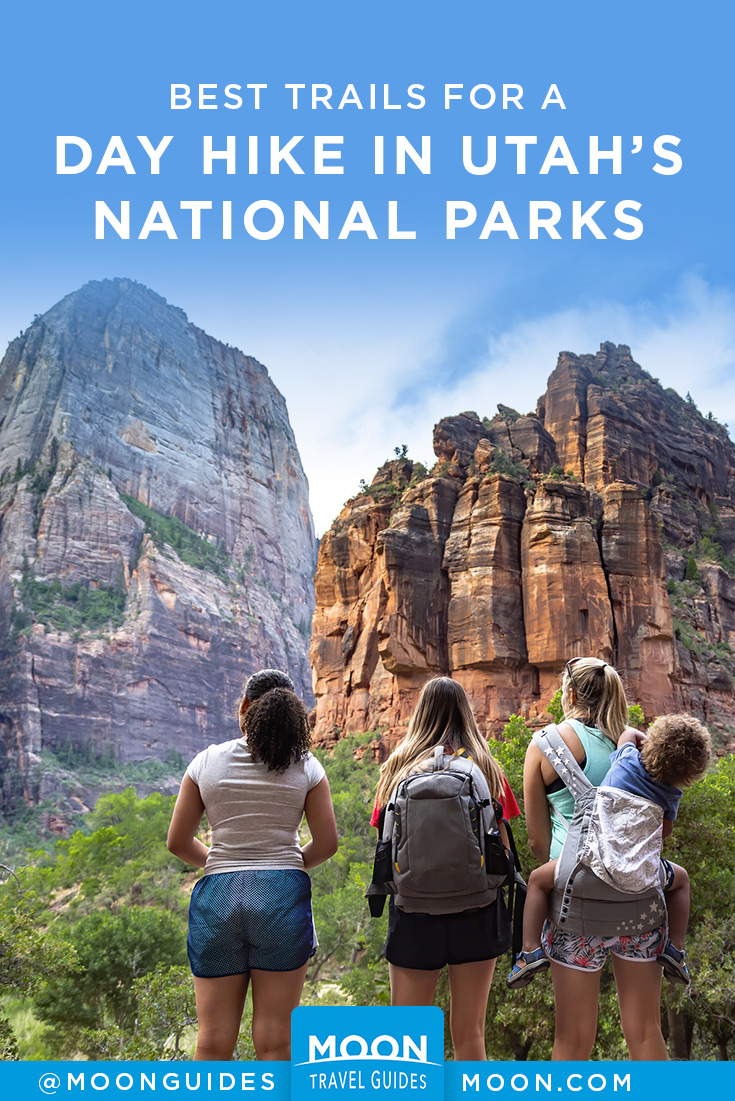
x,y
440,826
613,902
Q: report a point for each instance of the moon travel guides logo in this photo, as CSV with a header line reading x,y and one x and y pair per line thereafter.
x,y
382,1050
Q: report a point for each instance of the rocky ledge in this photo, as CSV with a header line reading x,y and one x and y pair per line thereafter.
x,y
602,523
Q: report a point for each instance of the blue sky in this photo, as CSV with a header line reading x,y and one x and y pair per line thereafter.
x,y
371,341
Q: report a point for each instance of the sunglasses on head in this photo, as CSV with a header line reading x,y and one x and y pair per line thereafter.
x,y
571,662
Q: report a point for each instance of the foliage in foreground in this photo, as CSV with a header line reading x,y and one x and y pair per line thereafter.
x,y
94,941
113,950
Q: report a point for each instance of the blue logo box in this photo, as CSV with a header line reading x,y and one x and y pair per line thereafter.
x,y
367,1051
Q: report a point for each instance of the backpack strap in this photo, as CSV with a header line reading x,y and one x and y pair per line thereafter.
x,y
560,757
516,896
389,818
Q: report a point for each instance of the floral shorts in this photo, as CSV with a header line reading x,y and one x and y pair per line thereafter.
x,y
590,953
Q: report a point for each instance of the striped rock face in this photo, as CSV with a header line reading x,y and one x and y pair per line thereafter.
x,y
156,544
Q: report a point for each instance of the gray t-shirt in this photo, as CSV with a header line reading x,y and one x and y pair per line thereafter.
x,y
254,812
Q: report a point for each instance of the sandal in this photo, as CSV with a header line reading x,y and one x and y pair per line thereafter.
x,y
674,964
526,967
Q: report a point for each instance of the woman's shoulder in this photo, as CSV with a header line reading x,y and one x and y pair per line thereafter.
x,y
216,751
537,764
313,770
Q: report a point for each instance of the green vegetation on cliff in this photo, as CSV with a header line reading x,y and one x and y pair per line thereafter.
x,y
72,608
190,547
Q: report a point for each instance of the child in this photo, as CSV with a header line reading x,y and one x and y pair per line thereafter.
x,y
674,754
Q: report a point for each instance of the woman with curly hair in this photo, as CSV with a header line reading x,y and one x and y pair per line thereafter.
x,y
250,920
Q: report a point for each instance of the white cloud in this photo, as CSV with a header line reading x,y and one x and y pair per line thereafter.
x,y
390,384
687,340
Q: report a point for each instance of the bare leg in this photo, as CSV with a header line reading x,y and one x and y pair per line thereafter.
x,y
409,986
469,986
677,904
275,994
576,996
639,997
536,910
220,1003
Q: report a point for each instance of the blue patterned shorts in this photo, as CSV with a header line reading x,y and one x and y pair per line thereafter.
x,y
250,919
590,953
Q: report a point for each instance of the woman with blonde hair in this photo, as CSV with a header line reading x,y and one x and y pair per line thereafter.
x,y
595,717
419,945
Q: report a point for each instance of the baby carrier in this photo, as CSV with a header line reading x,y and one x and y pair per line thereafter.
x,y
608,878
440,850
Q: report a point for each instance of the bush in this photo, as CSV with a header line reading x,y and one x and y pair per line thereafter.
x,y
501,463
691,573
555,708
113,950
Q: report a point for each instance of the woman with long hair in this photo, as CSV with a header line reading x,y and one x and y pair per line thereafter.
x,y
595,716
419,945
250,920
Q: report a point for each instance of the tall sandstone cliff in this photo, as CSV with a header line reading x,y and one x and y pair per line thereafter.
x,y
603,523
156,543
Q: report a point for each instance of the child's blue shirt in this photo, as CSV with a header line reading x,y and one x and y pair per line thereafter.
x,y
627,773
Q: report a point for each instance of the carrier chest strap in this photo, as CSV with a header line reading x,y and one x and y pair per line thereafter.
x,y
561,758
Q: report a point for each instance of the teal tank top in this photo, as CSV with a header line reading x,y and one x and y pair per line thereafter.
x,y
597,747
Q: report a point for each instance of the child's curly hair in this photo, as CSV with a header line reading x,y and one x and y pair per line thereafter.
x,y
677,750
276,729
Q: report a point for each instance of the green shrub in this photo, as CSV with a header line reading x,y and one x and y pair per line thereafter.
x,y
636,718
555,708
501,463
113,949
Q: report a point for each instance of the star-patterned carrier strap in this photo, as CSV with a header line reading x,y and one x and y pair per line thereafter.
x,y
581,903
560,757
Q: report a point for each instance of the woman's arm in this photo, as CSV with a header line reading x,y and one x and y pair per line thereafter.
x,y
538,817
185,821
322,826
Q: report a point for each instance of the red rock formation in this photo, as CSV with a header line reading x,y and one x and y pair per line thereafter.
x,y
600,525
636,570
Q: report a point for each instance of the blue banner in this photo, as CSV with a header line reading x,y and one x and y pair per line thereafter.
x,y
634,1081
117,1079
368,1052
